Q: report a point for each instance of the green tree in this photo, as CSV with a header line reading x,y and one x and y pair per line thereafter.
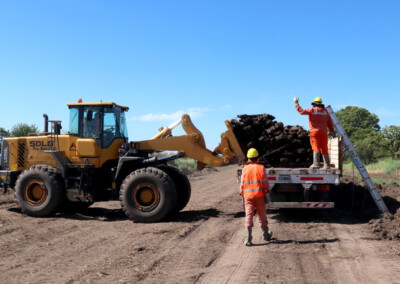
x,y
358,122
365,151
391,135
4,133
23,129
362,127
372,147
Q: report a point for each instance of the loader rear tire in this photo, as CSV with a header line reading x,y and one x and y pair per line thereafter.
x,y
147,195
182,185
39,190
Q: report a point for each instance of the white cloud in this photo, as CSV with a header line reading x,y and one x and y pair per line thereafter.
x,y
384,112
197,111
225,107
194,112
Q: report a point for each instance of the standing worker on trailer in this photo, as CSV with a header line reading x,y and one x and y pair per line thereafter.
x,y
254,187
319,123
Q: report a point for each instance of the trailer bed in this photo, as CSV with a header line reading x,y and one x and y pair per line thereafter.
x,y
304,176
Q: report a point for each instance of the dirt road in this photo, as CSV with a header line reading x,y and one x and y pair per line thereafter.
x,y
202,244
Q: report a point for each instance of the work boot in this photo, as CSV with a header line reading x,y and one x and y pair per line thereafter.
x,y
267,235
326,162
316,157
249,237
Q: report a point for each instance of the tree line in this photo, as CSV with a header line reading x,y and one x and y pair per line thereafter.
x,y
18,130
370,140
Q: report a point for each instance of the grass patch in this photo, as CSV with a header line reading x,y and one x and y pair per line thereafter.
x,y
186,165
374,180
386,166
386,181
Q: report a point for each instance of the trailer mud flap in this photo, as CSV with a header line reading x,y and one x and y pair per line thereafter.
x,y
310,205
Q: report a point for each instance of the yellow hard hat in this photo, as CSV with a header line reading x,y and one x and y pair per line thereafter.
x,y
317,100
252,153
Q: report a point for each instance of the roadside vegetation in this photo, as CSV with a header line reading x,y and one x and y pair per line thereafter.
x,y
386,166
376,180
372,142
378,148
186,165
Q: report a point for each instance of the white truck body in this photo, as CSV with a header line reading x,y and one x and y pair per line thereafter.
x,y
305,187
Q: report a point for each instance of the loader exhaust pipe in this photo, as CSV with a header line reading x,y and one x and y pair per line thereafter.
x,y
46,122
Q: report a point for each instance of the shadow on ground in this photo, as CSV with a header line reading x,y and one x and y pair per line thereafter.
x,y
113,215
320,216
194,215
86,214
306,242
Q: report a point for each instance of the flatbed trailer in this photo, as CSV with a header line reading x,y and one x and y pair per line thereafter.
x,y
305,187
301,188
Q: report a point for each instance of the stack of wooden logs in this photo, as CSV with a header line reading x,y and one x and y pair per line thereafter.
x,y
277,144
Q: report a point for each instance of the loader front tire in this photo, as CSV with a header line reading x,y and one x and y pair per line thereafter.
x,y
147,195
182,185
39,190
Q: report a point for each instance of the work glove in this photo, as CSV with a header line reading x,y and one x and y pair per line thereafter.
x,y
296,100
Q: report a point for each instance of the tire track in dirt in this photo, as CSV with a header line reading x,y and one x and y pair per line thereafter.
x,y
192,253
359,258
286,258
233,264
45,249
199,234
101,246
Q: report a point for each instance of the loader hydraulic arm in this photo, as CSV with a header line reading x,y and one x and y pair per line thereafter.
x,y
193,145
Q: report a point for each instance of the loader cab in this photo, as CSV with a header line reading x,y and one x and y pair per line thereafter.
x,y
103,122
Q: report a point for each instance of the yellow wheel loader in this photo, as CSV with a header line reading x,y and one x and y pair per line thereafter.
x,y
95,161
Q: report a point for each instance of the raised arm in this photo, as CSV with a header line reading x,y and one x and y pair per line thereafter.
x,y
299,108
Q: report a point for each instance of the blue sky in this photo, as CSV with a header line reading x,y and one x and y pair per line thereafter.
x,y
211,59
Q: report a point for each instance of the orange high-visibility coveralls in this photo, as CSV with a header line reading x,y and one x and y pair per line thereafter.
x,y
253,187
319,123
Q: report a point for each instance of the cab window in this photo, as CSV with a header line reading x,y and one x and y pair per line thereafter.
x,y
91,122
74,121
110,129
123,126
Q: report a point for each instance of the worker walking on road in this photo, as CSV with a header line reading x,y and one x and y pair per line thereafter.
x,y
319,123
254,187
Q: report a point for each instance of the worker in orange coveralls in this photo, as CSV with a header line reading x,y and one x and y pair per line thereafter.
x,y
319,123
254,187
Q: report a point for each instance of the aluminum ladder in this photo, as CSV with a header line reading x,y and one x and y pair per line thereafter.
x,y
357,161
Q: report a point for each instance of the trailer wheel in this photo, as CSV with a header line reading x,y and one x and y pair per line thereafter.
x,y
39,190
182,185
147,195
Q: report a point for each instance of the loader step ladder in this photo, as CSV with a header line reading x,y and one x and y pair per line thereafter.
x,y
357,161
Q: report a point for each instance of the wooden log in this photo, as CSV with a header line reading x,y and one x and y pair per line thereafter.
x,y
268,136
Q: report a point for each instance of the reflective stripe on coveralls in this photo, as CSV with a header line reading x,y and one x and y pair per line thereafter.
x,y
253,181
319,119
